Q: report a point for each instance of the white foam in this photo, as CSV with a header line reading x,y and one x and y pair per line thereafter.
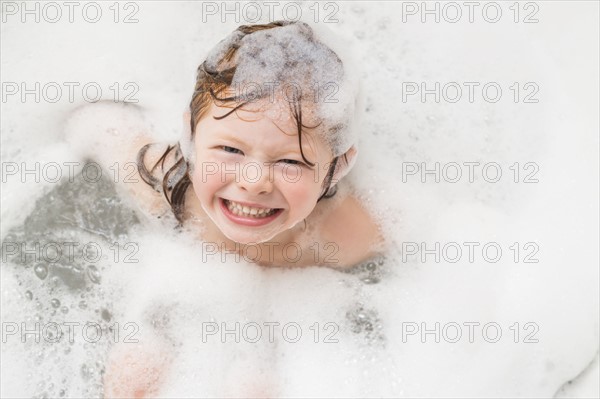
x,y
281,63
559,293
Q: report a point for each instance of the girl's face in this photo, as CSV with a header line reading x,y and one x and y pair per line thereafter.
x,y
249,174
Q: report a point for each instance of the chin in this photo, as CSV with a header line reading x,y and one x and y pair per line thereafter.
x,y
248,238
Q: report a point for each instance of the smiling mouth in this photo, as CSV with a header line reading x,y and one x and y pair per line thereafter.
x,y
249,212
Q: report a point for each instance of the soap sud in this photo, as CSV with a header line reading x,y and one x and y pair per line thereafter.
x,y
559,293
290,62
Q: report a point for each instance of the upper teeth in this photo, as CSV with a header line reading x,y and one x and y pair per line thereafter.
x,y
247,210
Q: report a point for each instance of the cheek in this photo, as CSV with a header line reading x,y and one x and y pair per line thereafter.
x,y
301,194
206,180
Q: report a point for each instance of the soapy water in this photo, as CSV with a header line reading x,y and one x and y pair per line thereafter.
x,y
370,331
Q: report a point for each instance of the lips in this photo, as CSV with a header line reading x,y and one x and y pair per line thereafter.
x,y
248,214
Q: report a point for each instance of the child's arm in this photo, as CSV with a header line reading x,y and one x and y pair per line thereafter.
x,y
111,134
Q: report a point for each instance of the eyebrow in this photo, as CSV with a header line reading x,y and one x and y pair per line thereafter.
x,y
234,139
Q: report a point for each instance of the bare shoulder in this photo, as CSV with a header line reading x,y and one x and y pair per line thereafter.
x,y
354,232
112,134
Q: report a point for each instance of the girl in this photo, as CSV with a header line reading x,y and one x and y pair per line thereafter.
x,y
271,132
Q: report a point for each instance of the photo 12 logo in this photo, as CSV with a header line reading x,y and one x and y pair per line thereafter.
x,y
470,11
252,12
69,331
68,251
291,252
270,331
54,172
468,251
468,331
54,92
469,172
53,12
472,91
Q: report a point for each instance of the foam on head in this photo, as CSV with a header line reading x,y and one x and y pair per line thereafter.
x,y
295,64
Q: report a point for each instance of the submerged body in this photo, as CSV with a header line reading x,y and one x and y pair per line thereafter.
x,y
337,233
255,173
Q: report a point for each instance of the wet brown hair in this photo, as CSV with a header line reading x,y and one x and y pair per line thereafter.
x,y
211,83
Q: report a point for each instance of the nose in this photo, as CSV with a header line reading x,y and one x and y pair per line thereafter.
x,y
255,179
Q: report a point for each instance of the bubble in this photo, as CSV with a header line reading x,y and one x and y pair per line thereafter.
x,y
41,271
53,333
106,315
54,282
55,303
39,356
29,295
365,321
85,372
64,309
370,280
82,305
112,131
77,267
93,274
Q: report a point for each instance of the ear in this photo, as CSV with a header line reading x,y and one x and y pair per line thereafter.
x,y
342,167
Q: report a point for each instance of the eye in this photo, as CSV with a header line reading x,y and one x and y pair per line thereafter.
x,y
291,162
231,150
